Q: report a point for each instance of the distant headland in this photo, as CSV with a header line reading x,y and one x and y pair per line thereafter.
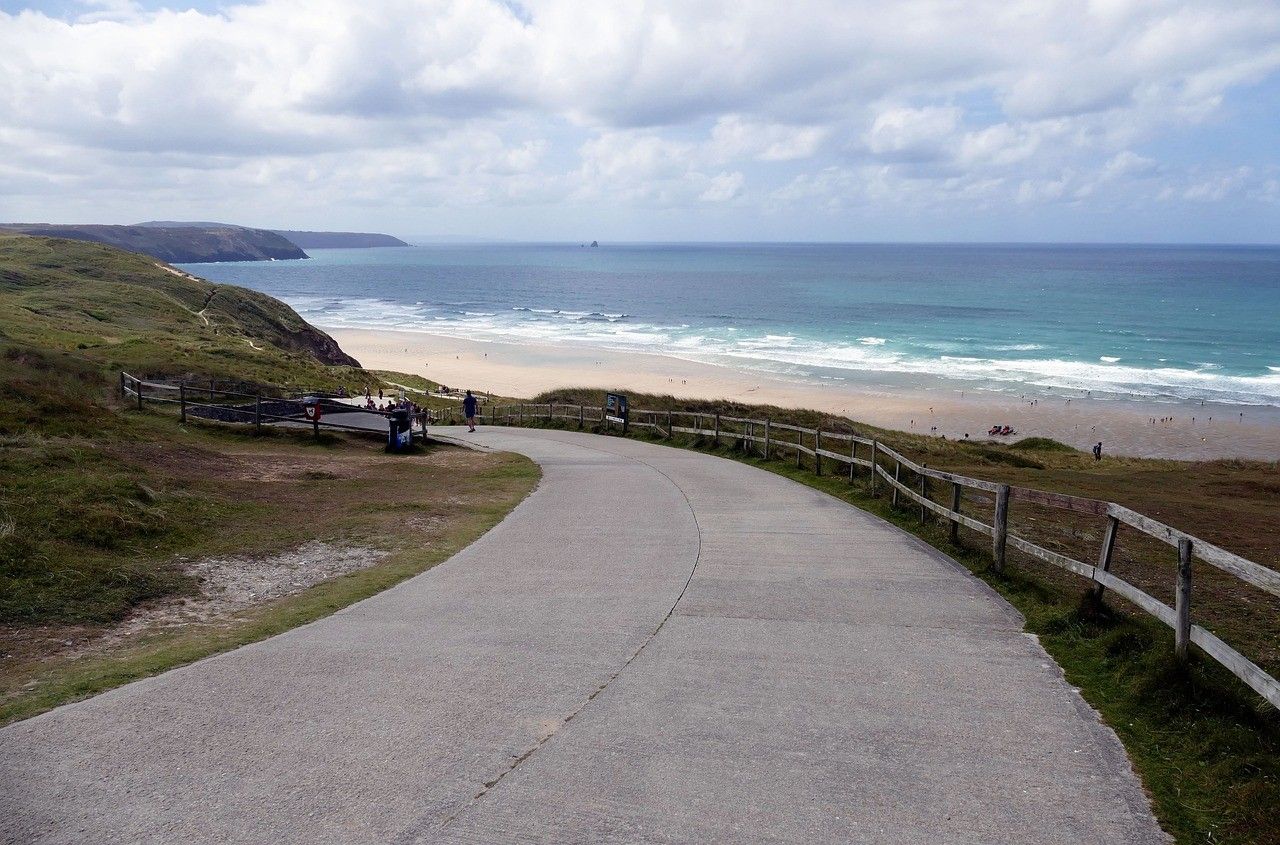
x,y
181,242
305,239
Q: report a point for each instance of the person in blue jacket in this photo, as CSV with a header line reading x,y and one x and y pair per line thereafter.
x,y
469,410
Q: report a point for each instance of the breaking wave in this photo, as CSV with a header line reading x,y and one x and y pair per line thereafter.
x,y
801,357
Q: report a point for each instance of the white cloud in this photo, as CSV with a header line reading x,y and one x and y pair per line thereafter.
x,y
736,137
667,102
912,132
723,187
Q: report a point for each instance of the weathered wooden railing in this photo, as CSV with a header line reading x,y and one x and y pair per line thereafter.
x,y
230,405
886,466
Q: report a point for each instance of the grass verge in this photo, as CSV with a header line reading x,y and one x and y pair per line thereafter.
x,y
291,493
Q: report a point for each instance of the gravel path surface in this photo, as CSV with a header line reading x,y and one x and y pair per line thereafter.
x,y
656,646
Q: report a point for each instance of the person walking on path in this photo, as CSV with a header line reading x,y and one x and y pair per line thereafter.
x,y
469,410
1097,452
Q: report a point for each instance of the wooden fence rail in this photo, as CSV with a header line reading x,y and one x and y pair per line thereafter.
x,y
131,386
887,466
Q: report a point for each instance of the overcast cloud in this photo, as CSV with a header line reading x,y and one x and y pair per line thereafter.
x,y
850,120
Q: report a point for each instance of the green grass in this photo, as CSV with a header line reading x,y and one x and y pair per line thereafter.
x,y
117,310
488,495
1207,749
1042,444
100,501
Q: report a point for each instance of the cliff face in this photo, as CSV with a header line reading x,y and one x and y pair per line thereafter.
x,y
304,238
178,244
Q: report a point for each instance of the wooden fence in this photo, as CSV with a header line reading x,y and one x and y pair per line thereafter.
x,y
199,400
886,468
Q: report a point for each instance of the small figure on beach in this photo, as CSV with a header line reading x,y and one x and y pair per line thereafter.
x,y
469,410
1097,451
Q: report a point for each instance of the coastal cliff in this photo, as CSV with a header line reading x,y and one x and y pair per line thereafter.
x,y
339,240
128,310
306,239
176,244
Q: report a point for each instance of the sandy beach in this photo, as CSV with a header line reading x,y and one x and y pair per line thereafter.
x,y
1124,427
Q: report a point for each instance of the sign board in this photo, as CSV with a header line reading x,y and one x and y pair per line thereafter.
x,y
615,407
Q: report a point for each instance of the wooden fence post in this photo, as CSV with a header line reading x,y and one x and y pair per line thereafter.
x,y
550,407
955,506
1104,557
520,408
817,444
123,393
853,457
212,385
799,454
581,416
924,494
182,401
671,432
897,473
137,385
1000,528
717,429
257,413
875,447
766,440
1182,602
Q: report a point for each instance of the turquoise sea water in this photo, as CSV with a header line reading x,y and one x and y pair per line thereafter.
x,y
1152,322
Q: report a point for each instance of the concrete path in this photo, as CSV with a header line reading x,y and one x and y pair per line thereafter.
x,y
656,646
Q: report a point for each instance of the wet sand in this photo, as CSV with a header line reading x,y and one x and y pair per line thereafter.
x,y
1123,426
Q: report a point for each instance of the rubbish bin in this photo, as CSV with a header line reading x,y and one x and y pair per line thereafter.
x,y
399,430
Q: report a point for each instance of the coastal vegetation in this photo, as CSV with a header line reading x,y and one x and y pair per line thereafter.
x,y
178,244
122,532
106,508
1206,747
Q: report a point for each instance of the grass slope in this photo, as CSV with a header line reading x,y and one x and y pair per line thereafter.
x,y
120,310
99,502
179,243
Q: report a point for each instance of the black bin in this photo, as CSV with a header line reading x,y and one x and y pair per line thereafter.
x,y
399,430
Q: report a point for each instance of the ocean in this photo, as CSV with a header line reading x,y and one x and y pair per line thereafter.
x,y
1156,323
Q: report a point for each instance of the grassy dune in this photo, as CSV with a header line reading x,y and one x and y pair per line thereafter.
x,y
103,506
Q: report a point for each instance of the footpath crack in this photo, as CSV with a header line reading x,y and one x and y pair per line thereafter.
x,y
491,785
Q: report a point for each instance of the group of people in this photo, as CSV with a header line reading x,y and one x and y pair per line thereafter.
x,y
385,405
1001,431
469,407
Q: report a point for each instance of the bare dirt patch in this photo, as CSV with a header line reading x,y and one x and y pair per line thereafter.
x,y
230,584
247,532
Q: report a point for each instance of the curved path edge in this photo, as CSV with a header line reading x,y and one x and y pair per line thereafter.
x,y
657,645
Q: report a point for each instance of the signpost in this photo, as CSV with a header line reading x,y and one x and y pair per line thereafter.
x,y
615,409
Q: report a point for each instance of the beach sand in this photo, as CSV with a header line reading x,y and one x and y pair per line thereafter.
x,y
1124,427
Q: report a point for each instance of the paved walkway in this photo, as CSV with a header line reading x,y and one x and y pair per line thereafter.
x,y
656,646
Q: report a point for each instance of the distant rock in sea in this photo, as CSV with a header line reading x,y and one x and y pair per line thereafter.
x,y
179,244
595,243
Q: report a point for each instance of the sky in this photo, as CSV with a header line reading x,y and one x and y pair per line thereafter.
x,y
545,120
